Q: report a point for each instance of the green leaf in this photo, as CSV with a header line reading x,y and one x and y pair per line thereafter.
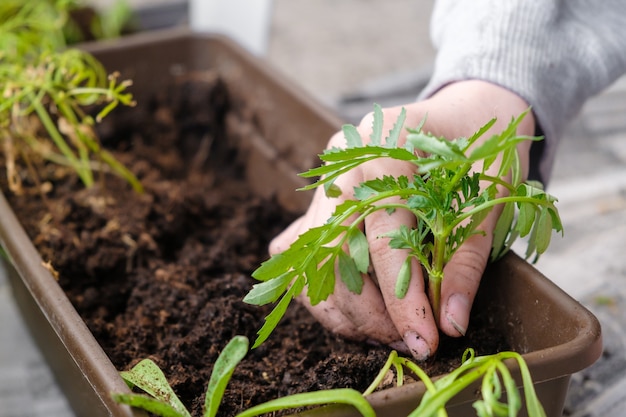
x,y
404,278
332,190
503,229
223,369
352,135
487,149
359,249
377,126
350,275
147,376
277,265
340,396
544,231
149,404
480,132
269,291
272,319
525,218
394,133
322,283
436,146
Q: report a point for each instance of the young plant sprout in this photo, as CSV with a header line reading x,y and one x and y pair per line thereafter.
x,y
160,399
46,91
447,195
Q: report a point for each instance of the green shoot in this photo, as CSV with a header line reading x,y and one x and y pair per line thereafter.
x,y
46,91
448,196
495,376
160,399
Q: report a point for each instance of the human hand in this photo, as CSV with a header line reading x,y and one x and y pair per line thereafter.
x,y
377,315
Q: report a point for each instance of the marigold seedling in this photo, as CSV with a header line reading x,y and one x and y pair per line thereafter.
x,y
46,91
447,195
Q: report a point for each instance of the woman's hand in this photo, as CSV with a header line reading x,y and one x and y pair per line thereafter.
x,y
377,315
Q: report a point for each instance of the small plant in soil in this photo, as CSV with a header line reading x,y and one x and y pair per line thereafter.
x,y
160,399
450,194
50,92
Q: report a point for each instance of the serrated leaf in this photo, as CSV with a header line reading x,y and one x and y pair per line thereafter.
x,y
480,132
270,290
436,146
272,319
281,263
223,369
377,126
322,283
417,202
394,133
488,149
404,278
352,135
359,249
349,273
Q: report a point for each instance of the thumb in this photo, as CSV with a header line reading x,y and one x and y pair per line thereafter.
x,y
461,280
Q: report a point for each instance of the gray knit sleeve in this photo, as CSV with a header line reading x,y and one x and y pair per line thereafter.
x,y
553,53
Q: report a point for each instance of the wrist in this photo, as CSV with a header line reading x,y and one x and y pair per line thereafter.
x,y
477,101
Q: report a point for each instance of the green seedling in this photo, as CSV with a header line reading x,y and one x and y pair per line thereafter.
x,y
48,92
496,381
450,194
160,399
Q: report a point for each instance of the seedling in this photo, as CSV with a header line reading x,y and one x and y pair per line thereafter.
x,y
450,194
47,91
160,399
496,381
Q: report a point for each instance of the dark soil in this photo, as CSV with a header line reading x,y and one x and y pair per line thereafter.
x,y
162,274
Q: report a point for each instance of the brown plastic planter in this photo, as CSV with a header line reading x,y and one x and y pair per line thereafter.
x,y
557,335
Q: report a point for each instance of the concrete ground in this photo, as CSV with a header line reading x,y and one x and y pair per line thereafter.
x,y
349,53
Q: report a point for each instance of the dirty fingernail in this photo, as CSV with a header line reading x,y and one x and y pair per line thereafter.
x,y
457,312
373,342
400,346
417,346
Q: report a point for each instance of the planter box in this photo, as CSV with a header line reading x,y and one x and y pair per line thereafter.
x,y
557,335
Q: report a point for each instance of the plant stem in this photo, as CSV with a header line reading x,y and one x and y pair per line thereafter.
x,y
435,275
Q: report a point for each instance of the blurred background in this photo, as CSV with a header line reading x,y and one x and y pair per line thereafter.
x,y
349,54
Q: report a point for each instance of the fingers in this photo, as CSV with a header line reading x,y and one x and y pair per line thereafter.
x,y
412,314
461,280
356,316
462,277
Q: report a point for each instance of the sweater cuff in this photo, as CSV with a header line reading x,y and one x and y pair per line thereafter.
x,y
553,54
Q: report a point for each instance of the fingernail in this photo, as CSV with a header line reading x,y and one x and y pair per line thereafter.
x,y
458,307
400,346
417,346
373,342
